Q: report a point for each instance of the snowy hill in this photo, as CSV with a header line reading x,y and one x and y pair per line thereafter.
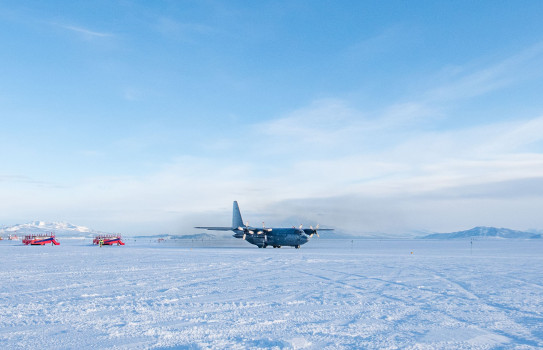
x,y
485,232
41,227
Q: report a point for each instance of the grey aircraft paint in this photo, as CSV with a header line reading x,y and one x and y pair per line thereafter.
x,y
267,236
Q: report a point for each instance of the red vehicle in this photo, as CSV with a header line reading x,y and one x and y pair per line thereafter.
x,y
40,239
108,240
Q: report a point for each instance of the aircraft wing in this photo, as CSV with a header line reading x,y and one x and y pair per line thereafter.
x,y
216,228
309,231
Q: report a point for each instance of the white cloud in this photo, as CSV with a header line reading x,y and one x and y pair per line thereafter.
x,y
524,65
87,33
359,173
332,163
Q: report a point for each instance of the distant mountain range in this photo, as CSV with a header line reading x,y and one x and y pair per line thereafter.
x,y
41,227
485,232
63,229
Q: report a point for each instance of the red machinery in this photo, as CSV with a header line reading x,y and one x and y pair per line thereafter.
x,y
40,239
108,240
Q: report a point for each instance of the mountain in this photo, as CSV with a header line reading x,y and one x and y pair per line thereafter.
x,y
485,232
42,227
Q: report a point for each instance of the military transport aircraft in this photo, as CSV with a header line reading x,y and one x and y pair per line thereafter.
x,y
265,236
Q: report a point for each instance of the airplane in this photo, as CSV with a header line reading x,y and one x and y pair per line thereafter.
x,y
268,236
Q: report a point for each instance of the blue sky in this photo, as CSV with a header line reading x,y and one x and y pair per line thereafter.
x,y
372,116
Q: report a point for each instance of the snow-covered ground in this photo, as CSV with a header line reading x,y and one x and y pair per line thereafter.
x,y
336,294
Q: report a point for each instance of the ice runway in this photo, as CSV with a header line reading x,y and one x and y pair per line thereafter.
x,y
335,294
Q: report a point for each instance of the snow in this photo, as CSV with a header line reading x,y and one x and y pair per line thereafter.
x,y
336,294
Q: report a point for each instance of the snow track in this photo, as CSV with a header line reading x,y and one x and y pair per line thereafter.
x,y
329,294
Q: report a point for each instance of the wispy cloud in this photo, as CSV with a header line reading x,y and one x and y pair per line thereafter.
x,y
337,164
441,174
87,33
436,158
463,83
21,179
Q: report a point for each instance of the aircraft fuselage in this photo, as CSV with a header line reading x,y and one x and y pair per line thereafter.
x,y
277,237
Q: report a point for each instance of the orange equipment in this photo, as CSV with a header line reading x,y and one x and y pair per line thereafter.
x,y
108,240
40,239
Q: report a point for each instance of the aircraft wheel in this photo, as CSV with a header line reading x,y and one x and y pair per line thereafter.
x,y
297,247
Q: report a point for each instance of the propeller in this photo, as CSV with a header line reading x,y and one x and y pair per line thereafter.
x,y
314,230
246,230
310,231
264,228
264,231
299,229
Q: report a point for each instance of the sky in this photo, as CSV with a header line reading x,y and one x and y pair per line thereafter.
x,y
369,117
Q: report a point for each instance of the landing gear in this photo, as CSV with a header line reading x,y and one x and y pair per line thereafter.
x,y
297,246
277,246
265,245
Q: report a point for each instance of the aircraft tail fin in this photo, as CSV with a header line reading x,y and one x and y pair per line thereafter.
x,y
237,221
